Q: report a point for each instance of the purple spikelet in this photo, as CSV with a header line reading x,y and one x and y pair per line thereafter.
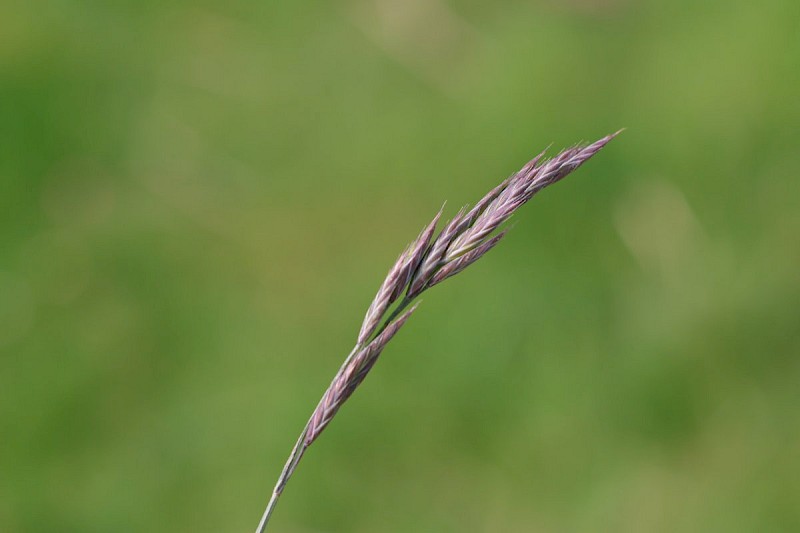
x,y
350,377
397,280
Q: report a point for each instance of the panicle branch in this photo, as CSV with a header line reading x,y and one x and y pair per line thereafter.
x,y
427,261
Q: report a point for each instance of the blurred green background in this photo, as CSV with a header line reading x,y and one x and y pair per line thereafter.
x,y
198,201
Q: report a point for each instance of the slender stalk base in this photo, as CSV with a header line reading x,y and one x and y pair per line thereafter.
x,y
288,470
262,526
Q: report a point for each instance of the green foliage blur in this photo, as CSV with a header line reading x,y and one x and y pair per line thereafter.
x,y
198,201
